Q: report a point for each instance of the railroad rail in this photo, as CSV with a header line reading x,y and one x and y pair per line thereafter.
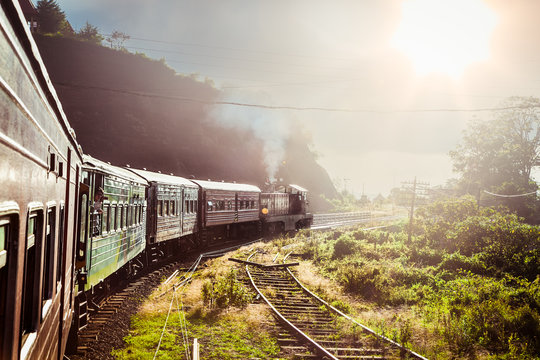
x,y
329,220
313,327
103,317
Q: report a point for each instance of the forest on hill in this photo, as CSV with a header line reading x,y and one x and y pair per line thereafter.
x,y
128,109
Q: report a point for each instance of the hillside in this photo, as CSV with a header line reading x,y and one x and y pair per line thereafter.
x,y
128,109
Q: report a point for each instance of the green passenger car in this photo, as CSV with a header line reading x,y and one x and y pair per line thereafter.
x,y
112,228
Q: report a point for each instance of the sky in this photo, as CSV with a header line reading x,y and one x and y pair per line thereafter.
x,y
384,88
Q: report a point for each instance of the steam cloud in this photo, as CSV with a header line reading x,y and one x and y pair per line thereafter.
x,y
270,127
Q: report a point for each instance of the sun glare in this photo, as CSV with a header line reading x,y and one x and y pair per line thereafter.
x,y
442,36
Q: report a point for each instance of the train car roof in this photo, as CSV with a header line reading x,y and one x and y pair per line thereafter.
x,y
298,188
151,176
216,185
93,163
17,20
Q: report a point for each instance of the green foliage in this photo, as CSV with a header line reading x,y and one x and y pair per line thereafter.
x,y
456,262
503,150
51,18
117,40
491,313
343,246
473,273
89,33
225,291
346,202
220,338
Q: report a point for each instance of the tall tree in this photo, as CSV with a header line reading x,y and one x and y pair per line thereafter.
x,y
51,18
89,33
499,154
117,40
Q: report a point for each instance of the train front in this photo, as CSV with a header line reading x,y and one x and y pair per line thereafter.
x,y
285,208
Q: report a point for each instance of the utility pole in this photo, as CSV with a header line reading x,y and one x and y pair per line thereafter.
x,y
416,186
412,210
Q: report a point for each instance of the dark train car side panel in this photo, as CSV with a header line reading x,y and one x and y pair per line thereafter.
x,y
227,203
172,210
38,167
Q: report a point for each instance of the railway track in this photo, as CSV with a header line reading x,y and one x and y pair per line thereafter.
x,y
103,320
106,316
333,220
311,328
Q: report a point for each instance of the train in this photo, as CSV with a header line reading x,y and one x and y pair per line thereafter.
x,y
72,226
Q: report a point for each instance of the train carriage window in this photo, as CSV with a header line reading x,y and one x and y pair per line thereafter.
x,y
160,207
137,213
112,218
253,204
119,214
173,208
105,219
124,217
48,259
81,245
8,231
166,208
141,210
60,246
128,215
32,266
210,206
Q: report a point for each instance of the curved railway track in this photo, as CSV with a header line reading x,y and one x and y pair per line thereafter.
x,y
104,317
300,311
313,327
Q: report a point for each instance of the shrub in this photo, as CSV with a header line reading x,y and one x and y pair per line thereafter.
x,y
456,262
226,291
343,247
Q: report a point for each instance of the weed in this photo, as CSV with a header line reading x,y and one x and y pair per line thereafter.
x,y
225,291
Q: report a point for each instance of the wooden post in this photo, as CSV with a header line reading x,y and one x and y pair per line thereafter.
x,y
195,349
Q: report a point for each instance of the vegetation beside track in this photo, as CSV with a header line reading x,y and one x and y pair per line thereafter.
x,y
465,286
218,312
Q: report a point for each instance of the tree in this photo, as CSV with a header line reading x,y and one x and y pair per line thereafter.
x,y
117,39
90,33
51,18
500,153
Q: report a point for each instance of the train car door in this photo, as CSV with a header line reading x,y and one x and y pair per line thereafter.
x,y
82,225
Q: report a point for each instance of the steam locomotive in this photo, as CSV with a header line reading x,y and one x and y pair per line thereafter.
x,y
72,225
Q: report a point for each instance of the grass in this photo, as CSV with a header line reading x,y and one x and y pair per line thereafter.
x,y
437,294
224,332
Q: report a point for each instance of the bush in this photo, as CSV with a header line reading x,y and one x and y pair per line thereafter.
x,y
456,262
481,310
343,247
226,291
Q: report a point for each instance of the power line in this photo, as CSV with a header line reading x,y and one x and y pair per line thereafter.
x,y
510,196
285,107
233,49
239,59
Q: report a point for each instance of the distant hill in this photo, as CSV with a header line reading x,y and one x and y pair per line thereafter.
x,y
128,109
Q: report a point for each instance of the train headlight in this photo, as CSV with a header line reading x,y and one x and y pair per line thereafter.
x,y
264,211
